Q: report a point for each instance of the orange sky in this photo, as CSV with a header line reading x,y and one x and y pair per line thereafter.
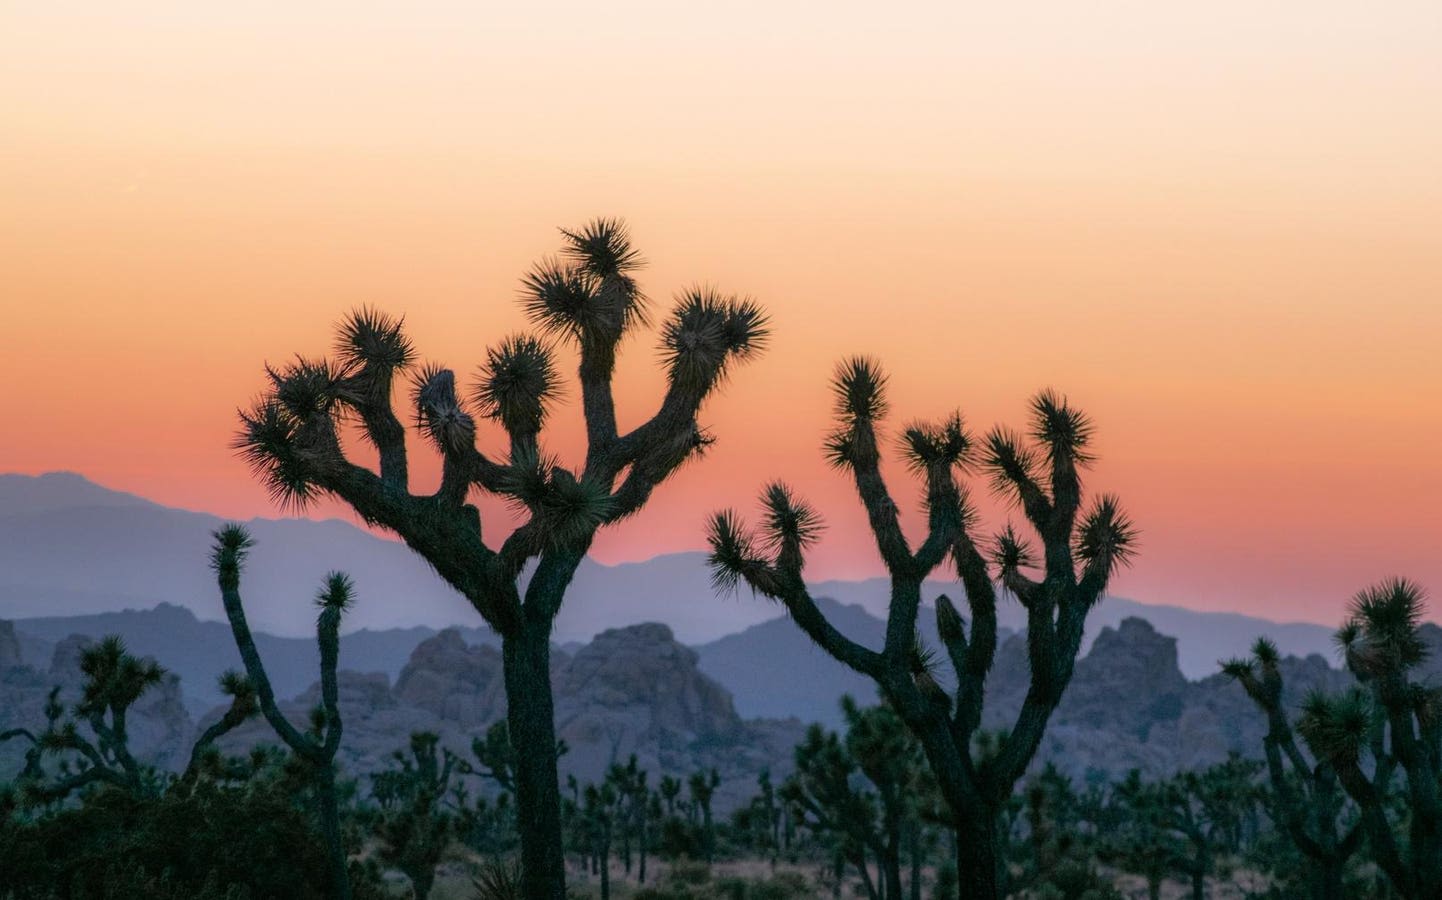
x,y
1218,229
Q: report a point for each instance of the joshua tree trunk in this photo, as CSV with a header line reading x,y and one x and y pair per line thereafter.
x,y
1327,878
641,842
978,862
330,827
889,857
914,839
864,869
605,861
531,718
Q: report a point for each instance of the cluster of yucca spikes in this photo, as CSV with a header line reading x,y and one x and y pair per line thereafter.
x,y
1081,551
587,297
1389,717
316,746
113,681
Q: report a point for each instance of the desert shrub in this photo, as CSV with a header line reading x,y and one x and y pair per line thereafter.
x,y
497,879
218,843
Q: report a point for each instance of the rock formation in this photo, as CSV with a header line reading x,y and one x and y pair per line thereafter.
x,y
631,690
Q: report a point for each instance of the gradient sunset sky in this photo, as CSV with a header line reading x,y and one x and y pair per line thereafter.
x,y
1217,227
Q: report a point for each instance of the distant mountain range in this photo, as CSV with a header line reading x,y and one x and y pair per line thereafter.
x,y
70,547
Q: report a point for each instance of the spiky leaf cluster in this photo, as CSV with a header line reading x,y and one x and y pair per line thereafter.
x,y
113,678
439,410
1061,428
517,382
927,446
563,507
372,346
1106,535
706,333
788,521
1382,635
1336,726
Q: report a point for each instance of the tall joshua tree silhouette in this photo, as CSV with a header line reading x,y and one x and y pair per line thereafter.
x,y
1309,799
1080,551
1396,717
316,747
588,298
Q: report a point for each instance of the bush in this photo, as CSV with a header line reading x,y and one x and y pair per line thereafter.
x,y
219,843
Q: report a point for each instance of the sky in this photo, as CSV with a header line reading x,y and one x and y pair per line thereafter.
x,y
1216,227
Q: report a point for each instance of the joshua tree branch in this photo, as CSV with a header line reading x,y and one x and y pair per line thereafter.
x,y
228,566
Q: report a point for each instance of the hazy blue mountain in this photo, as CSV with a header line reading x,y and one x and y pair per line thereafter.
x,y
69,546
57,490
773,670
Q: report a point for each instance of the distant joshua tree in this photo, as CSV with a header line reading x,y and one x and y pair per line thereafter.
x,y
114,681
1080,551
589,299
1392,717
415,827
1308,800
317,746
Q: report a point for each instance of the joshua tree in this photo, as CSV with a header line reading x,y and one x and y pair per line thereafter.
x,y
702,785
1135,833
1308,800
590,300
828,798
415,826
1206,810
317,746
873,815
598,818
114,681
633,811
1080,551
1395,719
497,757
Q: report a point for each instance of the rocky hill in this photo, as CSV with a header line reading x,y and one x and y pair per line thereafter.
x,y
631,690
638,690
1128,705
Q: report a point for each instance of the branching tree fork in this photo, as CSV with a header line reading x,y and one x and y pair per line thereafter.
x,y
1395,718
587,298
317,746
1080,551
1309,799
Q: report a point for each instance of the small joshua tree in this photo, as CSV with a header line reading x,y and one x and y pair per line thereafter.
x,y
1080,551
826,792
702,786
589,299
114,681
633,811
415,826
1308,800
316,747
1395,719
